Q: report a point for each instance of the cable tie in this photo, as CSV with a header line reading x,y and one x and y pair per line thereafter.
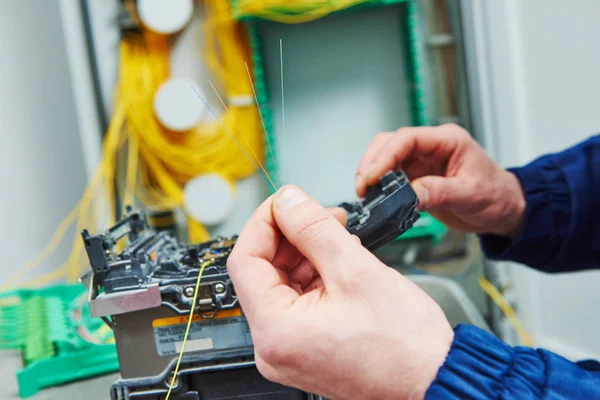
x,y
241,101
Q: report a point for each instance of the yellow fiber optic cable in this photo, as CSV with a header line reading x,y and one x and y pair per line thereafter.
x,y
60,232
299,11
45,279
187,329
174,158
507,310
132,165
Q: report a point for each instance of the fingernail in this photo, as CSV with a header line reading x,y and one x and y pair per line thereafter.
x,y
422,193
289,197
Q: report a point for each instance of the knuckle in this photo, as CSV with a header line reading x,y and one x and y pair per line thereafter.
x,y
478,185
381,136
451,126
477,188
268,373
459,132
441,196
233,261
272,354
313,224
273,348
403,130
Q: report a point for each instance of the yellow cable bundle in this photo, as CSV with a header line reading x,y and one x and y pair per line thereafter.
x,y
167,160
293,12
170,159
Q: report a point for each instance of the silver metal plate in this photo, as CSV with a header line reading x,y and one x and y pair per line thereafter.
x,y
106,304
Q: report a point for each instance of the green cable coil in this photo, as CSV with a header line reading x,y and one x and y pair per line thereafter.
x,y
59,340
427,226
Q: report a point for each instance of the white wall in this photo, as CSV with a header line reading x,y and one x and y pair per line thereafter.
x,y
539,67
42,171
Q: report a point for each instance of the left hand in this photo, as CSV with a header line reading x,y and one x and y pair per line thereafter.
x,y
326,316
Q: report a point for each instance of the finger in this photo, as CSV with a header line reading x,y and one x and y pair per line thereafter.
x,y
452,221
369,156
288,256
418,167
303,273
316,283
437,192
339,214
297,287
261,288
435,143
316,234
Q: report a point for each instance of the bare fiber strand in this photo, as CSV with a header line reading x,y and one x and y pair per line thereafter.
x,y
242,134
233,138
261,117
282,96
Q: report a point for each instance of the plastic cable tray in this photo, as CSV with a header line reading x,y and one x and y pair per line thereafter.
x,y
427,226
59,340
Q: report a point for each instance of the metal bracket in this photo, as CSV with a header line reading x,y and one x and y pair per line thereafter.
x,y
105,304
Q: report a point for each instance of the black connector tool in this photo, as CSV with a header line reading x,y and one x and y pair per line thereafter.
x,y
388,210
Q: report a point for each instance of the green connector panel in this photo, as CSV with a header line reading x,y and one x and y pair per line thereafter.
x,y
59,340
426,226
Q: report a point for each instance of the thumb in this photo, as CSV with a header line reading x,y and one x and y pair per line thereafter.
x,y
316,233
440,192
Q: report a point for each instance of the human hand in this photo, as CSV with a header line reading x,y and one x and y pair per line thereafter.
x,y
455,180
326,316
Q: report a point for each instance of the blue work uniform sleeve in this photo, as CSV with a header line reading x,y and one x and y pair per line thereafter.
x,y
480,366
561,230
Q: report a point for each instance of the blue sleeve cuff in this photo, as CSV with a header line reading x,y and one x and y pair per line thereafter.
x,y
480,366
546,221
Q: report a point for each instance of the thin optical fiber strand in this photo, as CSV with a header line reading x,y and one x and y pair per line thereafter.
x,y
233,138
187,329
261,117
243,136
282,97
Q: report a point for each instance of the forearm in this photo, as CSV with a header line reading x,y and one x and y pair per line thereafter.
x,y
560,229
481,366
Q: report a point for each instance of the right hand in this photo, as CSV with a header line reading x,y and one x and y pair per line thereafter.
x,y
455,180
325,315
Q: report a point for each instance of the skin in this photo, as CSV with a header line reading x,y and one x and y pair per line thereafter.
x,y
326,316
453,177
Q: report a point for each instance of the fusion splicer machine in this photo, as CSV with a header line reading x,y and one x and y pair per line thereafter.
x,y
145,291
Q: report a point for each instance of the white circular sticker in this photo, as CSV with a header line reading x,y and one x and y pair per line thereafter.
x,y
165,16
208,199
176,106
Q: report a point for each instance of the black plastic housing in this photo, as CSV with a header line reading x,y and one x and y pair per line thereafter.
x,y
388,210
